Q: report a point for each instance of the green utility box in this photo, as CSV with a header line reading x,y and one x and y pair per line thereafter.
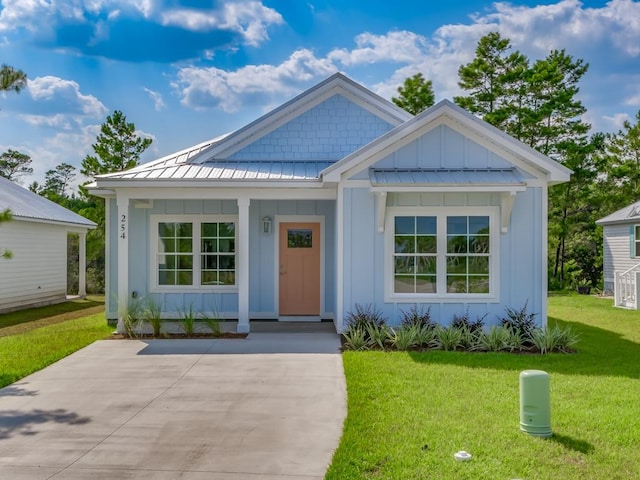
x,y
535,403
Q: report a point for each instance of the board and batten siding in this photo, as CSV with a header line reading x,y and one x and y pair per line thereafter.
x,y
37,273
262,267
616,252
520,254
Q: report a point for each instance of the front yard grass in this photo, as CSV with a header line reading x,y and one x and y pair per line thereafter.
x,y
409,412
22,353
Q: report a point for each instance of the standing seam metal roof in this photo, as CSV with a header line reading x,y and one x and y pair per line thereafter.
x,y
28,205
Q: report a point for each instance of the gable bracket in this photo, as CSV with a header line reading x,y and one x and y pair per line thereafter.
x,y
381,210
506,206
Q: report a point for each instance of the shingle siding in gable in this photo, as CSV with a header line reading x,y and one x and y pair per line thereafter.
x,y
329,131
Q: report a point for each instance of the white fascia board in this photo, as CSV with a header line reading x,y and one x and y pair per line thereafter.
x,y
102,192
78,226
498,142
228,193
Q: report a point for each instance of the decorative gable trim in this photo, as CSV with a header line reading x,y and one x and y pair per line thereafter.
x,y
337,84
448,114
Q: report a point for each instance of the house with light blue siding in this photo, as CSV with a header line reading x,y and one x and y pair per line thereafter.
x,y
334,199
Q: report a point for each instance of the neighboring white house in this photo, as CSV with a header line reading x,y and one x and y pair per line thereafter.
x,y
37,238
621,254
334,199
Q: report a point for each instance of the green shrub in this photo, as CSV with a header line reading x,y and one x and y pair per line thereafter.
x,y
448,338
152,313
417,316
364,316
554,339
188,321
355,338
520,321
377,334
404,338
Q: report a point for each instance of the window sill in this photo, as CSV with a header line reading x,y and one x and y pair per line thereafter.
x,y
435,298
192,289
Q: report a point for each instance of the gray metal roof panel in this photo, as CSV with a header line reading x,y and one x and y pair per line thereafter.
x,y
628,214
28,205
445,176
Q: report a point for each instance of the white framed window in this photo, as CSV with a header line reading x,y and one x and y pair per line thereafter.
x,y
442,253
193,252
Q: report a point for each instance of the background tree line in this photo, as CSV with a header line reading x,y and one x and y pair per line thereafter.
x,y
536,102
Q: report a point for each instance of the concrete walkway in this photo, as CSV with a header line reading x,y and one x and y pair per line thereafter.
x,y
267,407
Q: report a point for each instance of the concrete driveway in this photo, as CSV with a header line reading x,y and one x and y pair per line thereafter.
x,y
270,406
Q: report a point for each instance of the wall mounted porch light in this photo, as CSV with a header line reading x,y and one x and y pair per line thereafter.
x,y
266,225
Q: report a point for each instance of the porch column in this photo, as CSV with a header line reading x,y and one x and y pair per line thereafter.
x,y
82,264
242,261
123,260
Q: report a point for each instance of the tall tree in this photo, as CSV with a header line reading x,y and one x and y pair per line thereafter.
x,y
12,79
5,216
14,164
494,80
117,147
415,95
621,164
57,181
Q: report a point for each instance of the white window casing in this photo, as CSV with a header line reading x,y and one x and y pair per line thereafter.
x,y
196,254
441,214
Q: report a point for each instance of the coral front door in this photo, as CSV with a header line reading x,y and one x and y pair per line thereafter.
x,y
300,269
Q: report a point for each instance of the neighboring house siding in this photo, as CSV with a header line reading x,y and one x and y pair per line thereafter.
x,y
616,253
262,247
329,131
520,255
37,273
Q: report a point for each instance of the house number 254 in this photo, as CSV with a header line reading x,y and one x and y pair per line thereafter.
x,y
123,226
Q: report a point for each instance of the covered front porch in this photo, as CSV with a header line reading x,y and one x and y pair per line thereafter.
x,y
263,221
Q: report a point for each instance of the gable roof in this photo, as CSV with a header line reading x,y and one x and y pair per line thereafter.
x,y
26,205
628,214
208,161
335,84
447,113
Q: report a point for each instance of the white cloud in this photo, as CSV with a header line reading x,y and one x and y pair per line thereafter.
x,y
397,46
66,94
250,19
158,101
202,88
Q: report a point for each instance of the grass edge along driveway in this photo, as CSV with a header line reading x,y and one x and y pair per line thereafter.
x,y
24,353
408,413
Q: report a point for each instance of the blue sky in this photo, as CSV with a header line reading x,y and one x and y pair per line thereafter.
x,y
185,71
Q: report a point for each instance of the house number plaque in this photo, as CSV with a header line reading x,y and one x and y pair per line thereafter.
x,y
123,226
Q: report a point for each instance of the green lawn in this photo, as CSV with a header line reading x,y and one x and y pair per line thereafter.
x,y
408,413
24,352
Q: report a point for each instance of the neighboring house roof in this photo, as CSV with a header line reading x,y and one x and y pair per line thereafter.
x,y
26,205
447,113
628,214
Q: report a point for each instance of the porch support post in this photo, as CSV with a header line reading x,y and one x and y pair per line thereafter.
x,y
82,264
123,260
243,265
339,259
